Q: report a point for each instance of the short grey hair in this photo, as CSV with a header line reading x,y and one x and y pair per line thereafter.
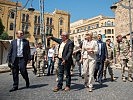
x,y
66,34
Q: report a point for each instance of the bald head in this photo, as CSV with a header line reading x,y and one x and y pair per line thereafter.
x,y
19,34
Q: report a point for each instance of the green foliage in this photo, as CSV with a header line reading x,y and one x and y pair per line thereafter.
x,y
1,27
4,36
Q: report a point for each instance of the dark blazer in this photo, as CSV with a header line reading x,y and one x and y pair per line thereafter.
x,y
103,51
68,49
13,51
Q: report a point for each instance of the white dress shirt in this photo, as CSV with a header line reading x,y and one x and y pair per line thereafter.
x,y
19,48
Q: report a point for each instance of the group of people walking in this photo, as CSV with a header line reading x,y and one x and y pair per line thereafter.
x,y
92,56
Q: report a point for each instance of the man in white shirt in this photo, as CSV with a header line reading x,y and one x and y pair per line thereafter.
x,y
65,60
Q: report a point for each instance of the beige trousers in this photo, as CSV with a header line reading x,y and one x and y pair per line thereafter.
x,y
89,66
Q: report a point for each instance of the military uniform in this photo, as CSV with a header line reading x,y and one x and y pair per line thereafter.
x,y
108,62
123,50
40,60
56,61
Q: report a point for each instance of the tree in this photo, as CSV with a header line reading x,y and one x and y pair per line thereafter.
x,y
1,27
4,36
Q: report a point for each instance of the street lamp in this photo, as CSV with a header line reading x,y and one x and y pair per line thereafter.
x,y
113,7
42,23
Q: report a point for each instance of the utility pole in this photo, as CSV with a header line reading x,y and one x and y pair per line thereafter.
x,y
16,9
42,23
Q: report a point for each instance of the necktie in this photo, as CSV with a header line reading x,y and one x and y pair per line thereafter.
x,y
19,47
20,43
99,47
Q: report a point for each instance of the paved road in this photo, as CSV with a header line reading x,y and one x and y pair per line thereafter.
x,y
41,89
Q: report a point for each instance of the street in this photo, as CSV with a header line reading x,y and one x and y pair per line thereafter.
x,y
41,88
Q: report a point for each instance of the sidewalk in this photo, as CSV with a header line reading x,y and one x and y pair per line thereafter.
x,y
4,68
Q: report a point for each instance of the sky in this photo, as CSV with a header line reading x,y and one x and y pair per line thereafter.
x,y
79,9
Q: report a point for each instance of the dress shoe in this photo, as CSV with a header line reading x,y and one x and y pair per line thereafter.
x,y
35,72
82,76
130,79
85,85
43,74
90,89
27,85
13,89
100,82
67,88
96,80
124,79
56,89
57,79
105,78
48,74
79,74
38,75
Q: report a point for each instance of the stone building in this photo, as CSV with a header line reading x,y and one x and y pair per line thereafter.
x,y
97,25
29,22
122,23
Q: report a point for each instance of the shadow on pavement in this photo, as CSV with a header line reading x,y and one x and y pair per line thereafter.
x,y
34,86
109,80
98,86
77,87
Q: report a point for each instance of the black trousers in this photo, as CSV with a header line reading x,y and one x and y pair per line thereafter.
x,y
64,69
19,65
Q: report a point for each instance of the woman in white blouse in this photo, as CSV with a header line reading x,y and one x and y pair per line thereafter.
x,y
91,47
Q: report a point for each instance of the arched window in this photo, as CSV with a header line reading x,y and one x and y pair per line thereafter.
x,y
73,31
35,19
112,31
12,14
79,39
60,31
23,26
109,31
50,30
26,28
27,18
50,21
38,30
38,19
0,9
35,29
11,26
23,17
105,32
47,30
61,21
47,20
109,23
89,28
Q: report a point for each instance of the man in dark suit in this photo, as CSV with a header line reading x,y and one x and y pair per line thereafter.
x,y
100,58
65,60
18,57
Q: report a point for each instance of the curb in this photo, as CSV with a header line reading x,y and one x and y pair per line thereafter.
x,y
7,69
